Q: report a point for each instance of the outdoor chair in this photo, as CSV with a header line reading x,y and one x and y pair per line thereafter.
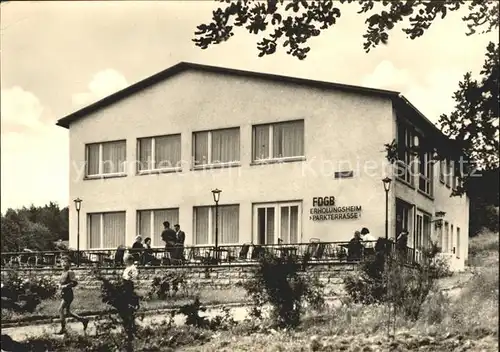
x,y
244,252
311,250
257,252
320,251
119,254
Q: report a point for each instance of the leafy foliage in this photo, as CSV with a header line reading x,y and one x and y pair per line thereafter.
x,y
35,228
120,295
277,282
193,317
474,122
167,285
24,295
386,279
293,23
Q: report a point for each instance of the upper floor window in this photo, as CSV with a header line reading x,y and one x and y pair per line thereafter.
x,y
404,143
425,177
278,140
216,147
107,158
449,172
442,168
159,153
454,180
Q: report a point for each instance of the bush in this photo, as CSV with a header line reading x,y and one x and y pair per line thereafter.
x,y
367,285
276,281
120,295
167,285
193,317
24,295
386,279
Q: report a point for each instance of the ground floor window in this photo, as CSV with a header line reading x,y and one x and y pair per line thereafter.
x,y
458,243
228,224
452,248
403,218
150,223
277,221
106,230
427,230
423,231
446,238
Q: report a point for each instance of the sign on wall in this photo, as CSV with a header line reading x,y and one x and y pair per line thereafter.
x,y
324,209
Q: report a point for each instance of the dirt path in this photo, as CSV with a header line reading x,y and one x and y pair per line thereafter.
x,y
25,332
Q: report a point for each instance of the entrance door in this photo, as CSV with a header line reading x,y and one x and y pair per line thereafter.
x,y
273,221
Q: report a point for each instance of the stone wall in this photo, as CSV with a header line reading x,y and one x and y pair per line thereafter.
x,y
219,277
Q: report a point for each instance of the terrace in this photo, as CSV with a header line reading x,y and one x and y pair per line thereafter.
x,y
313,252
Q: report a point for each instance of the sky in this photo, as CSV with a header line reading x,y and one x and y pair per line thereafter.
x,y
57,57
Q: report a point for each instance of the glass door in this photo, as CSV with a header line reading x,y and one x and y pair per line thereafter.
x,y
277,221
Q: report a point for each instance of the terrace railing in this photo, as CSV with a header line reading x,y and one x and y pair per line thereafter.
x,y
319,252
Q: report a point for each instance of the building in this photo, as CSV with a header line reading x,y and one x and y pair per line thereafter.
x,y
295,159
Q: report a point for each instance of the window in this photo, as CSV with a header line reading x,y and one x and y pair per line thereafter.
x,y
442,167
452,248
106,158
425,176
150,223
448,173
403,218
277,221
278,140
458,243
106,230
427,231
404,142
419,235
228,224
159,153
216,147
455,176
446,242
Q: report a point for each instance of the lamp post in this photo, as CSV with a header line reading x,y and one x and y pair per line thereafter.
x,y
78,206
387,186
216,193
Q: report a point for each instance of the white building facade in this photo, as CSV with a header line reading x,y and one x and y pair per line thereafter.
x,y
295,159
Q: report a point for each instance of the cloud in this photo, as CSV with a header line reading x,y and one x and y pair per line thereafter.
x,y
103,83
33,153
432,94
20,110
435,96
387,76
34,167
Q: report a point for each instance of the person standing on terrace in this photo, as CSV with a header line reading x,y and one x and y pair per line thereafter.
x,y
66,283
369,241
180,237
170,238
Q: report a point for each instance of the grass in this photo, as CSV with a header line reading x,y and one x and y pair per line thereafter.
x,y
88,302
468,321
465,322
483,250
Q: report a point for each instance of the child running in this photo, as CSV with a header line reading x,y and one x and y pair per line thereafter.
x,y
66,284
